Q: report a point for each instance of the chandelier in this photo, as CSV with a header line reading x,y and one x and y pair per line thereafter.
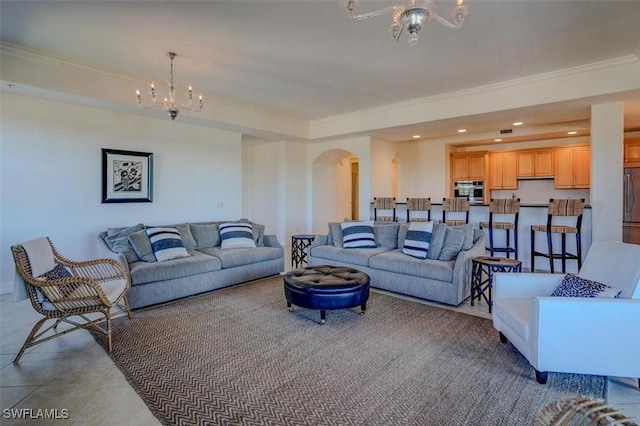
x,y
411,16
170,103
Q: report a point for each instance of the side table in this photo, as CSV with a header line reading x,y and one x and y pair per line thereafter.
x,y
483,268
299,245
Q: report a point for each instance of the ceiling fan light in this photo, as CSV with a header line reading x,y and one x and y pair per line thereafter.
x,y
413,38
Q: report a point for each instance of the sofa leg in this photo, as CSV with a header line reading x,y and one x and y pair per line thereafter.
x,y
503,338
541,376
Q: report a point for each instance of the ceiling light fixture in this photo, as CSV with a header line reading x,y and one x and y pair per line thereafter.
x,y
416,136
518,123
462,130
572,132
497,140
411,16
170,103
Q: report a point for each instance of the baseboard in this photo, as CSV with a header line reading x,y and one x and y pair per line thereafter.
x,y
6,288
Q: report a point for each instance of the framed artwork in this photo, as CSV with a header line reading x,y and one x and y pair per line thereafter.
x,y
127,176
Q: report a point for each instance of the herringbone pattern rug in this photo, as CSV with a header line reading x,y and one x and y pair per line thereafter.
x,y
237,356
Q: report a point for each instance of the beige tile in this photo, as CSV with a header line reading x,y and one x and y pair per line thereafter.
x,y
11,395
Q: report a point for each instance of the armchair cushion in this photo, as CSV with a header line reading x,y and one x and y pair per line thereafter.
x,y
574,286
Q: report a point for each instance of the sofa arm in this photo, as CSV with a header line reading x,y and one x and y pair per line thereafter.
x,y
319,240
105,252
271,241
524,285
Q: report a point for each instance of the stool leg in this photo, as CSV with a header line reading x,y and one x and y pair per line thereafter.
x,y
579,250
508,243
323,316
533,247
515,241
491,240
550,245
563,237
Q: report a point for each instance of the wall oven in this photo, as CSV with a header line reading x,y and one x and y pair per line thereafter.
x,y
471,189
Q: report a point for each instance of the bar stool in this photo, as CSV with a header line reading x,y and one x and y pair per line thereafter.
x,y
418,205
384,203
503,206
560,208
455,205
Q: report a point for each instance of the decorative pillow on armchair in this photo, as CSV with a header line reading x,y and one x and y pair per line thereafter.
x,y
418,238
358,235
575,286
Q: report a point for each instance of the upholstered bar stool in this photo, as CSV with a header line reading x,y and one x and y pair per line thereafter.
x,y
560,208
455,205
418,205
386,204
503,206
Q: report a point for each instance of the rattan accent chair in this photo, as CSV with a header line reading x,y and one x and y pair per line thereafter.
x,y
385,204
560,208
92,286
455,205
418,205
502,207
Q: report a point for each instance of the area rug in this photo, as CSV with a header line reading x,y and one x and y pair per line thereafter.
x,y
237,356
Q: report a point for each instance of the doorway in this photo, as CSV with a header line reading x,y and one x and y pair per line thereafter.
x,y
355,192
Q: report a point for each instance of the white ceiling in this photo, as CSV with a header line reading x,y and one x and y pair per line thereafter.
x,y
306,58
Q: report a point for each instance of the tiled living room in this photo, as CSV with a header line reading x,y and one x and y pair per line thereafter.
x,y
297,115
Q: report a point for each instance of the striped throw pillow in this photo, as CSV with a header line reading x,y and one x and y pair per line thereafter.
x,y
236,235
418,238
166,243
358,235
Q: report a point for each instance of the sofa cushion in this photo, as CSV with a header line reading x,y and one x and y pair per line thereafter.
x,y
205,234
575,286
356,256
166,243
243,256
118,242
141,244
386,235
335,232
453,241
416,243
437,240
358,235
402,233
236,235
396,261
196,263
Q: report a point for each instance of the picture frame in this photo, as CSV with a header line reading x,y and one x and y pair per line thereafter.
x,y
127,176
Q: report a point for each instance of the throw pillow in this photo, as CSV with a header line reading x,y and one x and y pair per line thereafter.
x,y
59,272
118,242
575,286
185,235
142,245
402,233
437,240
358,234
258,232
416,243
236,235
166,243
468,235
206,235
452,244
335,231
386,235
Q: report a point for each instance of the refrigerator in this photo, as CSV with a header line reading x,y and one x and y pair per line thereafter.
x,y
631,209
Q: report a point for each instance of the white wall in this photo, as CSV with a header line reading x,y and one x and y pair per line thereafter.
x,y
382,155
50,182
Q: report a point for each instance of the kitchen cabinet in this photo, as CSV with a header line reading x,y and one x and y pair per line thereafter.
x,y
631,233
572,167
502,170
468,166
632,153
537,163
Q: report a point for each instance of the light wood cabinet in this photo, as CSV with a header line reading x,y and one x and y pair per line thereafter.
x,y
572,167
632,153
477,167
502,170
631,233
468,166
535,163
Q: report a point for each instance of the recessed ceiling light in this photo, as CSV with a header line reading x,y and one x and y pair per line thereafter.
x,y
573,132
462,130
518,123
416,136
497,140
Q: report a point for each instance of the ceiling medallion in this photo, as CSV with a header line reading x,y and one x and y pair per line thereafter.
x,y
411,16
170,103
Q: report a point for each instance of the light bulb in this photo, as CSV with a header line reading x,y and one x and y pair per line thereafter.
x,y
413,39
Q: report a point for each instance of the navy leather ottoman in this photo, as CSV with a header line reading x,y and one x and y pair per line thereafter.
x,y
326,287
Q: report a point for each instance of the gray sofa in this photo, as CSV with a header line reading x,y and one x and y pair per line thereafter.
x,y
207,267
444,281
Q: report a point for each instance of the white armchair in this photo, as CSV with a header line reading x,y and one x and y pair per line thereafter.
x,y
574,334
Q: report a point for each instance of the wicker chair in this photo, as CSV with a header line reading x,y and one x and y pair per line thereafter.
x,y
418,205
457,206
386,204
86,287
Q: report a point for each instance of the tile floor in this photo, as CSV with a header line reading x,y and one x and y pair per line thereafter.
x,y
74,373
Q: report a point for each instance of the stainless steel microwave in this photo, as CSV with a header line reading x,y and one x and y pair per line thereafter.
x,y
471,189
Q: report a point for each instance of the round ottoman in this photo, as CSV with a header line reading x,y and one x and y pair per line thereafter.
x,y
326,287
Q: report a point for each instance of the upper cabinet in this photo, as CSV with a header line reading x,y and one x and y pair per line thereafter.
x,y
632,153
468,166
572,167
502,170
538,163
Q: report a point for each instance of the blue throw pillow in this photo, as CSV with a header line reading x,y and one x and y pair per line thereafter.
x,y
236,235
418,238
358,235
166,243
574,286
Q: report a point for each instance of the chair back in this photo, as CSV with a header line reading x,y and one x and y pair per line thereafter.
x,y
615,264
566,207
32,259
418,205
455,205
504,205
384,203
